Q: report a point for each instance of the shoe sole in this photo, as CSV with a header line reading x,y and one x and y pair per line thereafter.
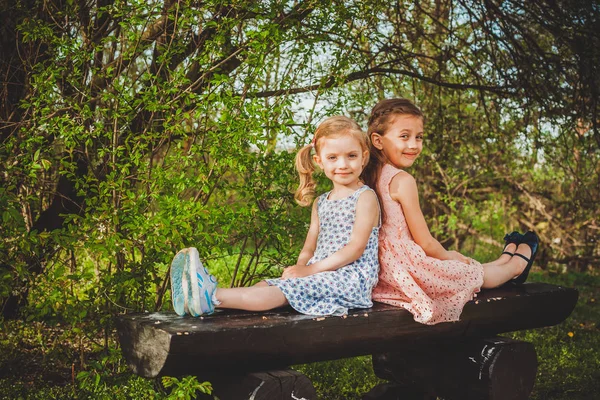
x,y
179,281
194,292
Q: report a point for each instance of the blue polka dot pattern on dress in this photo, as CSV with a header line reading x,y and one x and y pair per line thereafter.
x,y
334,292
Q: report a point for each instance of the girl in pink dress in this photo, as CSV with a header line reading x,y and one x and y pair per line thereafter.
x,y
416,271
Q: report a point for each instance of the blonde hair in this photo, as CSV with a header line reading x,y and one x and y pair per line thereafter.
x,y
333,126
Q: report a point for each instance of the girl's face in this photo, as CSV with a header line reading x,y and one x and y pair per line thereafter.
x,y
402,142
342,159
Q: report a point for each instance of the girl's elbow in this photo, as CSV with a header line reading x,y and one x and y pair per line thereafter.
x,y
356,252
428,245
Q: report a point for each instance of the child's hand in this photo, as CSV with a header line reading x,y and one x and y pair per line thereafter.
x,y
297,271
455,255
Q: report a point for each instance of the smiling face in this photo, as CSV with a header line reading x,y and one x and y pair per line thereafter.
x,y
402,141
342,159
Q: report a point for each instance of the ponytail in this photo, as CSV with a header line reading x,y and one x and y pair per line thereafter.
x,y
331,127
305,167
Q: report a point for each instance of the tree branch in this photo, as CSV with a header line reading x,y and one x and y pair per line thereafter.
x,y
354,76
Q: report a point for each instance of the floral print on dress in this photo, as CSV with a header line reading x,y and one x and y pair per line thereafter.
x,y
432,290
351,286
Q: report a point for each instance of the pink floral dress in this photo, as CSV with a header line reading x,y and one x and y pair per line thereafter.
x,y
432,290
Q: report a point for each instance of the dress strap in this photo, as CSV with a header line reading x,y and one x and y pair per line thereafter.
x,y
322,198
362,189
388,172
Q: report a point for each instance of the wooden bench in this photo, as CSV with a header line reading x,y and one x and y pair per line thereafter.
x,y
458,360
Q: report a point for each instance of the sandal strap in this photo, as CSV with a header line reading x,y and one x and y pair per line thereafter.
x,y
522,256
510,254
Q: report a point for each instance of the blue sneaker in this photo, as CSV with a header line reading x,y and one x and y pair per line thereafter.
x,y
202,286
180,282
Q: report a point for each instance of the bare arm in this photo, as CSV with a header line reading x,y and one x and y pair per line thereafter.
x,y
310,243
403,189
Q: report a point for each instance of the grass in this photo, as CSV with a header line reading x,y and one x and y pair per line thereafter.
x,y
53,361
569,353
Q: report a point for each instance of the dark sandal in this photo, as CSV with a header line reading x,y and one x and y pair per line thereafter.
x,y
531,240
513,237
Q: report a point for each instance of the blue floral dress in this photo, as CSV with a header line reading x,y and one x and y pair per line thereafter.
x,y
334,292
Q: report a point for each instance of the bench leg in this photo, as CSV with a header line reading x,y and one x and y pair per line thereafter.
x,y
494,368
268,385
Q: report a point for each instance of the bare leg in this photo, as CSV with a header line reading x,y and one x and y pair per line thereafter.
x,y
495,275
259,297
504,258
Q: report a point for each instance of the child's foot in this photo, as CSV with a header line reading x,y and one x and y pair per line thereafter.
x,y
180,282
507,253
527,250
202,286
523,255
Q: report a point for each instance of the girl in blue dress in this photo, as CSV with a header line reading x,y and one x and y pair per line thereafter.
x,y
338,265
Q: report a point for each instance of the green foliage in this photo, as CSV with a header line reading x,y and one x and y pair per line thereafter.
x,y
43,361
568,355
185,388
348,378
147,127
157,163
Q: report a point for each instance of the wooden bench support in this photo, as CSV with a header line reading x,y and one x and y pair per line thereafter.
x,y
268,385
494,368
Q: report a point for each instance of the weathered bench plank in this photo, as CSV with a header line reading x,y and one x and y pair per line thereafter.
x,y
165,344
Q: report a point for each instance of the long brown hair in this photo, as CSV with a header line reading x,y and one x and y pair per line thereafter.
x,y
381,117
332,126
